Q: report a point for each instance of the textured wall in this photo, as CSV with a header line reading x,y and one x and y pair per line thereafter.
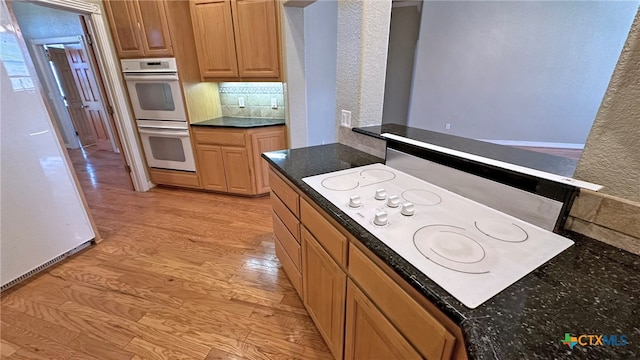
x,y
363,36
611,156
513,70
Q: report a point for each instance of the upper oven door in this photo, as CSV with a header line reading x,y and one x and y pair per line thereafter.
x,y
156,96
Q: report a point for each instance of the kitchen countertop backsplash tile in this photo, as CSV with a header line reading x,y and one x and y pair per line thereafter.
x,y
591,288
257,99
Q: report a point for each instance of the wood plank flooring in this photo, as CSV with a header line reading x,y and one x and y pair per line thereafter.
x,y
180,275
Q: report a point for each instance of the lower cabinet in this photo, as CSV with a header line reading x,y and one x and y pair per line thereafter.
x,y
369,335
324,292
212,175
229,159
360,306
237,170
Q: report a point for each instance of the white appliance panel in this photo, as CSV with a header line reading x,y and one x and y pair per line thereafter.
x,y
470,250
42,212
167,148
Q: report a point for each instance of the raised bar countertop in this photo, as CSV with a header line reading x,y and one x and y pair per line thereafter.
x,y
530,159
591,288
237,122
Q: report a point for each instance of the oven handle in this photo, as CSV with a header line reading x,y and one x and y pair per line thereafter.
x,y
152,77
181,133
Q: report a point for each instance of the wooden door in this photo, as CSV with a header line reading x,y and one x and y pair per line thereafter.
x,y
264,141
215,44
125,28
89,93
73,100
324,287
256,35
369,335
211,167
154,28
237,170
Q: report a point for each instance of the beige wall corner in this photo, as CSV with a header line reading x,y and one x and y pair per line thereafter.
x,y
363,38
611,157
607,218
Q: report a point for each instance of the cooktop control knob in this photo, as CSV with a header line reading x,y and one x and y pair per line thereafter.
x,y
355,201
407,209
393,201
381,218
381,194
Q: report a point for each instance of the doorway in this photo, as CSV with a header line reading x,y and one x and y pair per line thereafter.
x,y
66,67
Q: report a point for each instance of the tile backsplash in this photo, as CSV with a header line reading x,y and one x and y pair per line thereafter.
x,y
257,99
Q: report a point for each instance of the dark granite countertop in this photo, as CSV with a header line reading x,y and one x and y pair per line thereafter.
x,y
590,288
534,160
237,122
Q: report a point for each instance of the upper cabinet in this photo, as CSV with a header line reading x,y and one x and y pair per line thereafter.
x,y
139,28
237,39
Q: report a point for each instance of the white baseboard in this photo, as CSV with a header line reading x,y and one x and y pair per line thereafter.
x,y
536,144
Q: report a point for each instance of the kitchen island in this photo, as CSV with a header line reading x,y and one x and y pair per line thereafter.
x,y
590,288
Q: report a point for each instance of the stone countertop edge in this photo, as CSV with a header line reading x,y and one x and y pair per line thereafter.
x,y
239,122
530,159
590,288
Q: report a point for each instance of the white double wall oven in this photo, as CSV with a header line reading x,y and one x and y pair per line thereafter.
x,y
156,97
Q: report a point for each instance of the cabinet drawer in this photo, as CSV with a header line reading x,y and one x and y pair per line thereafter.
x,y
289,268
423,330
219,136
288,219
290,244
288,196
331,239
175,178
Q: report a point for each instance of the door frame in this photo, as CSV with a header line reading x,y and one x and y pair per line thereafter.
x,y
53,93
80,39
114,86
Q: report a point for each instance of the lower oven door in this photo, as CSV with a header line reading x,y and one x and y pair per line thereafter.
x,y
167,148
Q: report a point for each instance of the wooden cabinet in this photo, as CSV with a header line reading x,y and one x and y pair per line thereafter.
x,y
228,159
324,288
215,45
237,170
213,177
139,28
369,335
237,39
362,308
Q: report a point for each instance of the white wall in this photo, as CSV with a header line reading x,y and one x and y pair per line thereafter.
x,y
294,86
511,70
320,44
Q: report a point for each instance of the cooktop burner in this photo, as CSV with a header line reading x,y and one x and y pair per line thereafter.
x,y
470,250
451,247
421,197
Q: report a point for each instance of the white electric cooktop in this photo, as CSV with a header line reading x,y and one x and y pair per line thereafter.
x,y
470,250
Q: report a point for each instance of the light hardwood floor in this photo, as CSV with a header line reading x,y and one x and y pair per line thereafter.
x,y
180,275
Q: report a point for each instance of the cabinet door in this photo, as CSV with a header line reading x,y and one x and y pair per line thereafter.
x,y
369,335
256,35
211,167
154,28
324,287
237,170
263,142
123,21
215,45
